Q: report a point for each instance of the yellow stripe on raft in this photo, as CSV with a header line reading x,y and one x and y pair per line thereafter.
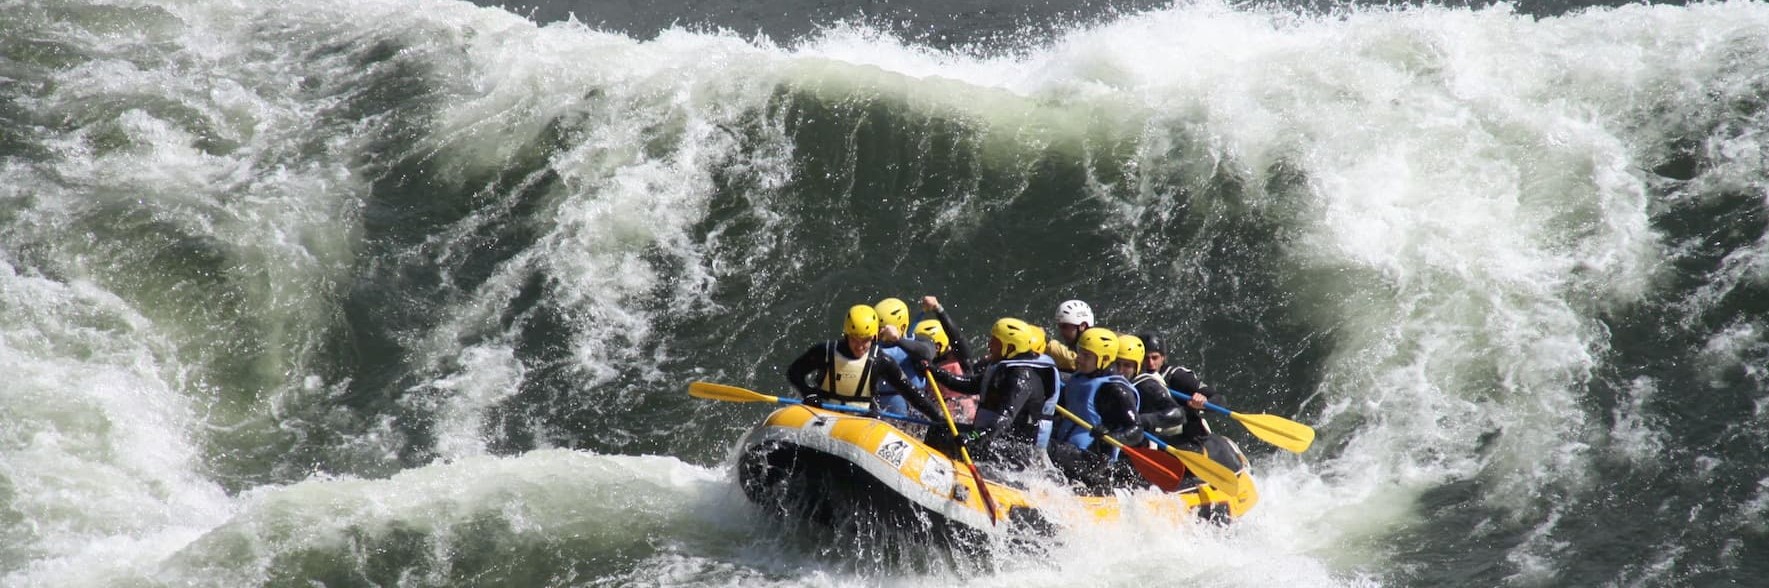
x,y
922,469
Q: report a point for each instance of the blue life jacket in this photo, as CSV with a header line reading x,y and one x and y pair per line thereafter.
x,y
901,358
1054,386
1078,396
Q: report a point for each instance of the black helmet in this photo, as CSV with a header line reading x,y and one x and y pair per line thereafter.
x,y
1152,343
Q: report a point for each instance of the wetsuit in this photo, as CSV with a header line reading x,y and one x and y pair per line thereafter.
x,y
1159,413
958,351
1195,434
832,361
1187,383
1011,401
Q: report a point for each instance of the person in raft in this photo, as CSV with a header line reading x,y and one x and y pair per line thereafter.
x,y
1012,400
849,370
1108,403
910,354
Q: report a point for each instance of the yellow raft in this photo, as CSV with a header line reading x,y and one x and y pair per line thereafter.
x,y
827,464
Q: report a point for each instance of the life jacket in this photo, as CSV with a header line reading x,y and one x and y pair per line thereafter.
x,y
1047,413
1077,397
901,357
849,379
1051,388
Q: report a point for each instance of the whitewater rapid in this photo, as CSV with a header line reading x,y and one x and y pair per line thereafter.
x,y
390,291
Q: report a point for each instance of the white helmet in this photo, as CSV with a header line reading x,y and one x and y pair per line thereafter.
x,y
1074,312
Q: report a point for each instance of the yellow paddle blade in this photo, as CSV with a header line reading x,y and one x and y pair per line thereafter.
x,y
1292,436
1243,502
1208,470
711,391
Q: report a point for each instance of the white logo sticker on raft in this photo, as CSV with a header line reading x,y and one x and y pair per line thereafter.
x,y
936,473
893,450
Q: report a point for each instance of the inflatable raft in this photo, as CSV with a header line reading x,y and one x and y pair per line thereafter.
x,y
827,465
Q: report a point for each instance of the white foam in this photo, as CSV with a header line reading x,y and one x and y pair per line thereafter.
x,y
605,502
96,447
1633,435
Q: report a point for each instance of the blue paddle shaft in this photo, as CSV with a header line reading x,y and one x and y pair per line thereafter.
x,y
1183,397
860,411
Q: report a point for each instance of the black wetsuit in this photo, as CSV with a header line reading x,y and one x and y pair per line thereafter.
x,y
1009,407
1160,413
1194,435
815,361
958,350
1187,383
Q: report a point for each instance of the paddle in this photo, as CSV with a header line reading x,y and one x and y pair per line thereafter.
x,y
711,391
1292,436
1202,466
1154,472
982,486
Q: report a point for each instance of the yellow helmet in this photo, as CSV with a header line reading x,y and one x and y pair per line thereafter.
x,y
931,330
862,322
1015,335
894,312
1130,349
1040,340
1102,343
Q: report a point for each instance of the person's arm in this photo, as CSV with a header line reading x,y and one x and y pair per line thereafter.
x,y
967,385
1117,409
1188,383
1065,357
1155,397
885,370
814,359
1166,422
1159,411
920,352
959,346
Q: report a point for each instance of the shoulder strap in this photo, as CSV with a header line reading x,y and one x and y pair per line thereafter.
x,y
865,388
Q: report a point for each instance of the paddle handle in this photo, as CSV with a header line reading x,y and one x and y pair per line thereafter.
x,y
1183,398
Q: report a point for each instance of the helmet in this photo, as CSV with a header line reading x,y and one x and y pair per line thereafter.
x,y
895,313
1153,342
1015,335
1103,343
1074,312
1039,339
1130,348
862,322
931,330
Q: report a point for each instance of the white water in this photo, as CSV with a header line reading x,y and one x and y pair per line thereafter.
x,y
1475,195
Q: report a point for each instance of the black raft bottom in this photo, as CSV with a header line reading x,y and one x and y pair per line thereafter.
x,y
806,485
